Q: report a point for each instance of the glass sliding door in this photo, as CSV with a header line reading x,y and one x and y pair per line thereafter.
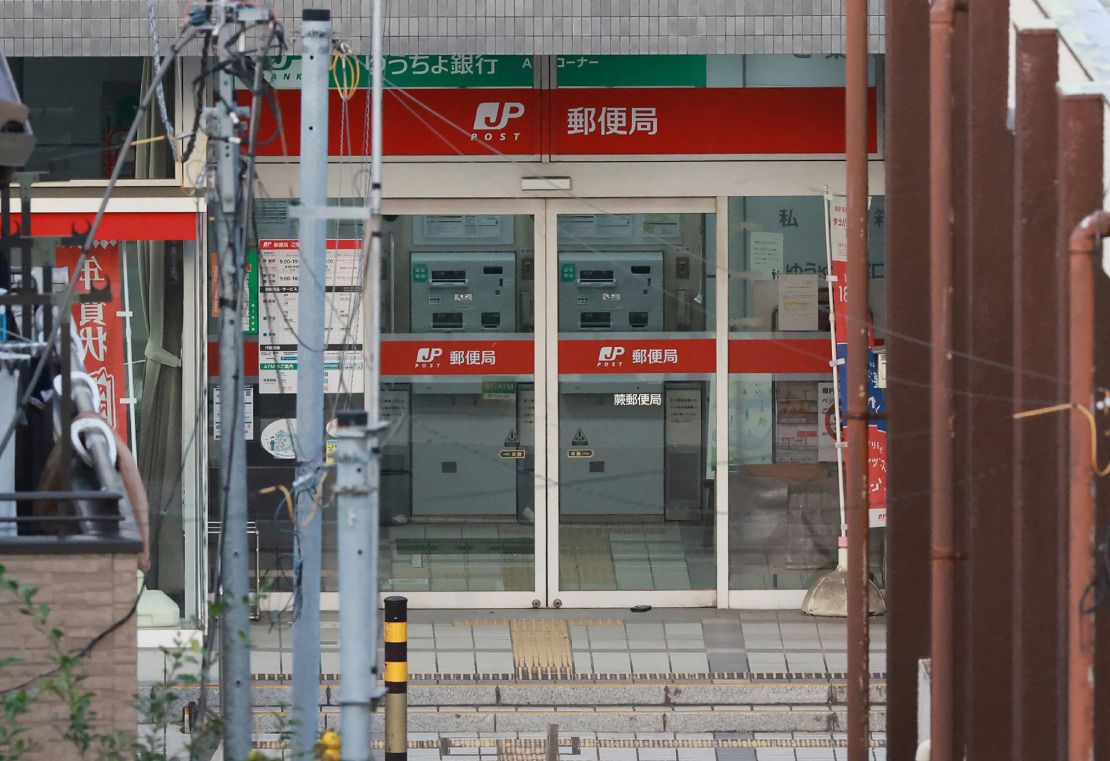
x,y
633,302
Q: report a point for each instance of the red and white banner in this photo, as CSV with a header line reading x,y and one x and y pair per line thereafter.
x,y
459,357
623,356
100,327
579,121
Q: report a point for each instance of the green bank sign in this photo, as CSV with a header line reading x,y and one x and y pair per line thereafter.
x,y
415,71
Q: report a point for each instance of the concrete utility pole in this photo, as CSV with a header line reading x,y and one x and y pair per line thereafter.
x,y
234,618
357,535
312,261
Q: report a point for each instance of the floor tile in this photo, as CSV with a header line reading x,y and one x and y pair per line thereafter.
x,y
455,662
689,663
494,662
650,662
611,662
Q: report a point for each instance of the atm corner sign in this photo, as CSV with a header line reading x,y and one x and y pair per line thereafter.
x,y
567,273
419,273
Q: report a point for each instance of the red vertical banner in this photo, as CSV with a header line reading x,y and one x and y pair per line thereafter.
x,y
100,326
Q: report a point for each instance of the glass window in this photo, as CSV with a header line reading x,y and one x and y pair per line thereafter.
x,y
81,109
458,472
636,360
784,498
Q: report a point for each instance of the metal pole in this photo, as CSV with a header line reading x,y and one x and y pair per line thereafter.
x,y
234,617
372,315
551,747
942,439
316,37
357,586
396,678
1084,242
858,359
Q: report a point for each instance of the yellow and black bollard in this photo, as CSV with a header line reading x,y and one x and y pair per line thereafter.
x,y
396,679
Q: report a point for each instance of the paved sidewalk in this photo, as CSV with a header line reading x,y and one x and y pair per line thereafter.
x,y
688,643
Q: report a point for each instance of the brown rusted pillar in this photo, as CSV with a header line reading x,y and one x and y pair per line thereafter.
x,y
855,484
907,397
1035,476
988,313
1081,137
944,591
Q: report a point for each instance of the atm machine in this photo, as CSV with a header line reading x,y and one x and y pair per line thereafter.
x,y
458,428
647,458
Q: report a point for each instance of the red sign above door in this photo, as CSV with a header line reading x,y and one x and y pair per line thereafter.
x,y
747,120
588,121
459,357
650,355
431,122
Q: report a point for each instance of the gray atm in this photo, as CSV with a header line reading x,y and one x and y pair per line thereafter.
x,y
610,290
471,292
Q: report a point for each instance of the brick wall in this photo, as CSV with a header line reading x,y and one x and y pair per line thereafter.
x,y
542,27
87,594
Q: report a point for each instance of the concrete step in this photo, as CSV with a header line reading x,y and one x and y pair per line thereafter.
x,y
450,719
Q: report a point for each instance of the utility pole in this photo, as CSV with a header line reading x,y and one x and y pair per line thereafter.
x,y
359,476
224,202
356,533
312,263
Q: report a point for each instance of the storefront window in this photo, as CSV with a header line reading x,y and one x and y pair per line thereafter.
x,y
457,464
784,499
635,404
81,109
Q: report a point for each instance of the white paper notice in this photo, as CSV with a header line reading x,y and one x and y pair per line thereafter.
x,y
764,255
797,302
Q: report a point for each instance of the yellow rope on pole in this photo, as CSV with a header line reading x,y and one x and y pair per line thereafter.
x,y
1100,472
347,73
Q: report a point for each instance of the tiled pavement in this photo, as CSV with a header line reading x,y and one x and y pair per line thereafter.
x,y
663,641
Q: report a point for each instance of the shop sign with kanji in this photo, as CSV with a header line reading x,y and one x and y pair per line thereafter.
x,y
404,71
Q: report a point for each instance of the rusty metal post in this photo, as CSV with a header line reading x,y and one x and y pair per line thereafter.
x,y
907,267
1085,240
1080,190
855,489
987,317
1035,476
943,706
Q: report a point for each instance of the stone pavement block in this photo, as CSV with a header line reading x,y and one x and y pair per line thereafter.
x,y
650,663
452,694
689,663
616,754
611,662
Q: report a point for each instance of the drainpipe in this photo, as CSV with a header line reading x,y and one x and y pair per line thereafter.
x,y
1085,240
856,491
943,708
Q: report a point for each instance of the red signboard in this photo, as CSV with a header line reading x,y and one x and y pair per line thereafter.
x,y
431,122
778,355
100,328
460,357
652,355
117,225
747,120
579,121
